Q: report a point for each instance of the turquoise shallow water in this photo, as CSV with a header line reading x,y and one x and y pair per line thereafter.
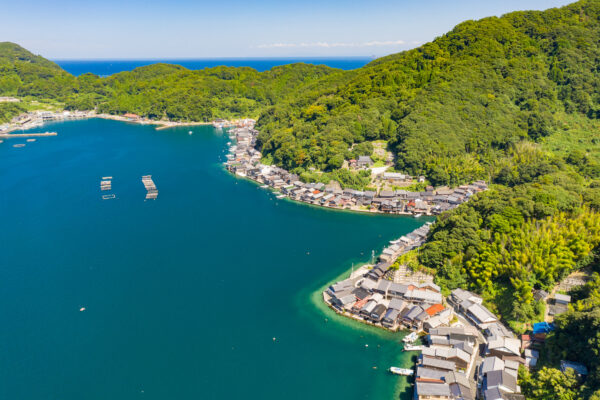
x,y
184,294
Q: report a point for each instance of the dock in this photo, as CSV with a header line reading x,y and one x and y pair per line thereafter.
x,y
152,191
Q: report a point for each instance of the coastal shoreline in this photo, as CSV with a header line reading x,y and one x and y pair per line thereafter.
x,y
36,119
244,161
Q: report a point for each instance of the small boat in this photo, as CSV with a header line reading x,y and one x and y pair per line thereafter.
x,y
418,215
31,140
401,371
108,196
19,145
281,196
412,347
82,309
264,186
410,338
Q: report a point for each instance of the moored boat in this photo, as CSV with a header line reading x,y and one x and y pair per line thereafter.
x,y
410,338
401,371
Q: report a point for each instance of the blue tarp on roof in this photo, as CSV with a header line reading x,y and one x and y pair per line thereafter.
x,y
542,327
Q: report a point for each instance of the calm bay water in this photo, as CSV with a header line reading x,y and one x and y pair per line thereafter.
x,y
183,294
109,67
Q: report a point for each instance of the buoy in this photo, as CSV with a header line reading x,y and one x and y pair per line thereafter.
x,y
82,309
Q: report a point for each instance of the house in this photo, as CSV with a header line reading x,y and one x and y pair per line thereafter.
x,y
540,295
132,117
423,296
460,357
382,287
345,302
460,386
378,313
459,334
503,346
480,315
442,318
435,363
394,177
498,329
361,293
562,299
505,382
410,317
397,290
397,304
425,390
430,286
390,318
368,308
458,296
490,364
434,309
364,162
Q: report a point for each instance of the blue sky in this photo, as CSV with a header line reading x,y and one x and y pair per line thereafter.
x,y
233,28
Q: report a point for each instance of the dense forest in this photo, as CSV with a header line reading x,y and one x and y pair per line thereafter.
x,y
514,100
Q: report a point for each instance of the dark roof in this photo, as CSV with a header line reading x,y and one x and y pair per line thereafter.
x,y
360,293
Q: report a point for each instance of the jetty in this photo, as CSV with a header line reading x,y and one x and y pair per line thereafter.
x,y
152,191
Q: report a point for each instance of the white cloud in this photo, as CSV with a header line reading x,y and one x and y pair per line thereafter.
x,y
374,43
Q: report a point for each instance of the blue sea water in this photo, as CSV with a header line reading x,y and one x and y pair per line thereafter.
x,y
109,67
211,291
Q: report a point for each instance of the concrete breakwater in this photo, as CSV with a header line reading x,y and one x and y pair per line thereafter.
x,y
24,135
244,160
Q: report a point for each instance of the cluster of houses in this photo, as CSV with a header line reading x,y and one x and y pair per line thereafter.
x,y
477,359
37,118
445,364
244,160
373,298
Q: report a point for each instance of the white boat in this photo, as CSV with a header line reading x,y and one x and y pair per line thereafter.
x,y
281,196
410,338
412,347
19,145
418,215
401,371
264,186
108,196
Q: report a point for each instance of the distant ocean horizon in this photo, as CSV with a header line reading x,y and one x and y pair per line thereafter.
x,y
110,67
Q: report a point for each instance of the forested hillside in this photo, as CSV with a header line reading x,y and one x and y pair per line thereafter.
x,y
514,100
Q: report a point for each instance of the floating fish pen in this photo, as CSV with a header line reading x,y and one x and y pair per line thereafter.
x,y
152,191
105,185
